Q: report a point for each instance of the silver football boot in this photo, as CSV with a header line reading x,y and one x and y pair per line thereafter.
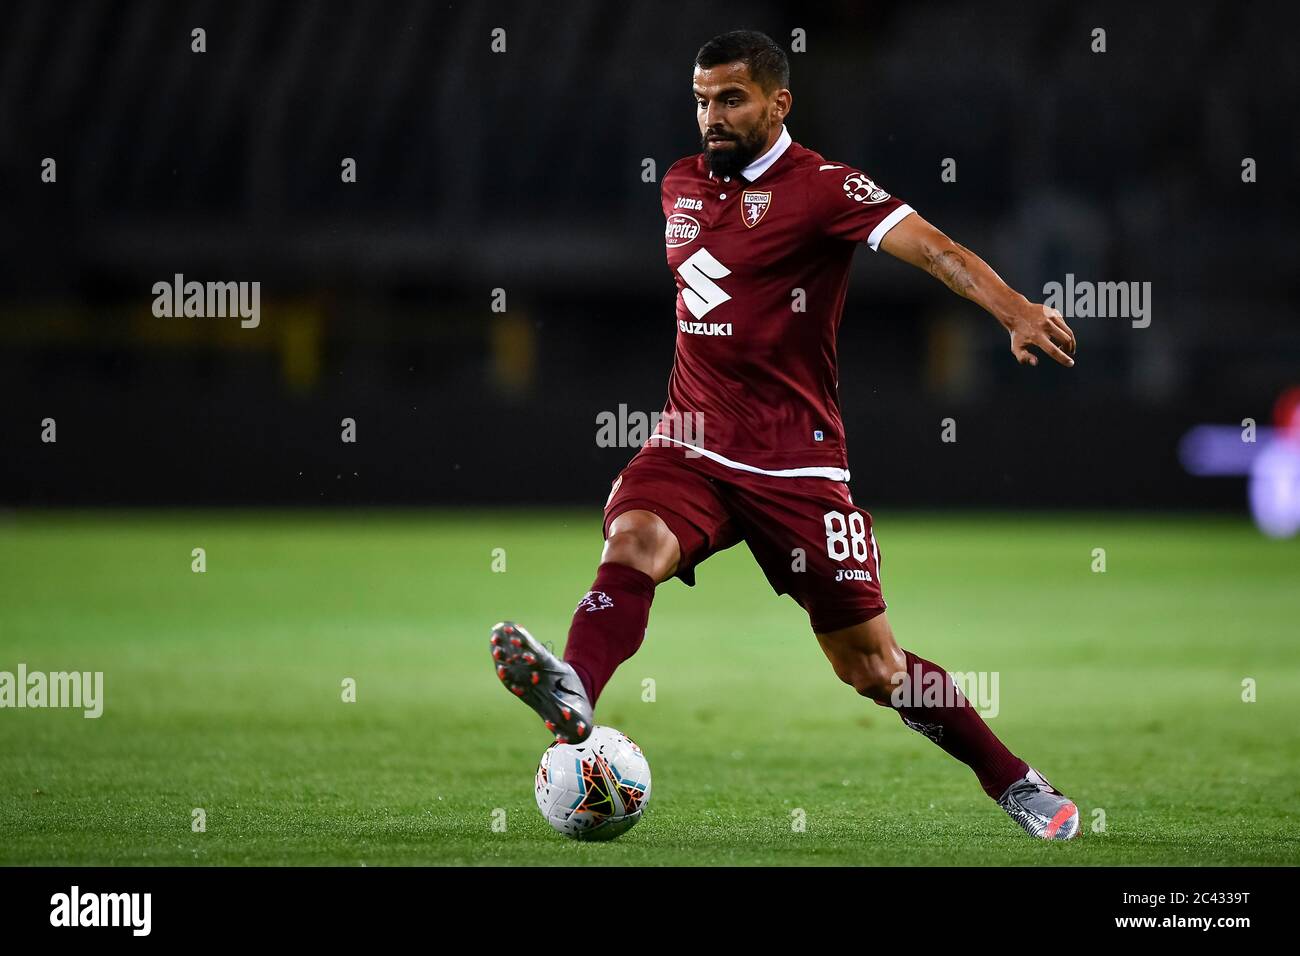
x,y
541,680
1040,809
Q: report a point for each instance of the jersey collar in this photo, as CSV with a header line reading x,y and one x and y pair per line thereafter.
x,y
761,165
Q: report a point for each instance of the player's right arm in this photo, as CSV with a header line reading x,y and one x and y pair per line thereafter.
x,y
849,205
917,242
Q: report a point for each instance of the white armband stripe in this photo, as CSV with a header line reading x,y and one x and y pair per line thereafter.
x,y
888,223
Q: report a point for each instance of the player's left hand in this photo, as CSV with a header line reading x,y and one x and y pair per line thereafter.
x,y
1042,327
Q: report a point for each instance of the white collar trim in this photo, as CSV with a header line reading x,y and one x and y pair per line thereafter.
x,y
759,166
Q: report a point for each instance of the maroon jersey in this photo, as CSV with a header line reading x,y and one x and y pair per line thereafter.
x,y
761,262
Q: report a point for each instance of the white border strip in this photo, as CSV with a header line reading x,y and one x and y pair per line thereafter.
x,y
834,474
875,552
888,223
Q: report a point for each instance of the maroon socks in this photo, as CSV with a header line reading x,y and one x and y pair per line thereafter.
x,y
957,727
609,624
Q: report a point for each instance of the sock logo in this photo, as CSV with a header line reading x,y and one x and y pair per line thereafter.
x,y
594,601
933,731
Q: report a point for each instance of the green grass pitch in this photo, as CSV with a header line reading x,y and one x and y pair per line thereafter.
x,y
224,692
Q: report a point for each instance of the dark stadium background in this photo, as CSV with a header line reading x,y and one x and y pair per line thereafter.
x,y
522,171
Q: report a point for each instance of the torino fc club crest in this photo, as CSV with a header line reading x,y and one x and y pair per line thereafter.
x,y
753,206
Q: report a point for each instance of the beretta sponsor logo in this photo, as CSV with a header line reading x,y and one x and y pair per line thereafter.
x,y
680,229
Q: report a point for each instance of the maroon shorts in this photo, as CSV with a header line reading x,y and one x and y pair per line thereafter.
x,y
806,534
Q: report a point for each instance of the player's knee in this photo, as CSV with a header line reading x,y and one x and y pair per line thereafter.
x,y
633,547
871,675
642,542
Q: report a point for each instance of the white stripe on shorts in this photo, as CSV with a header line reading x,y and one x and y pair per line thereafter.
x,y
834,474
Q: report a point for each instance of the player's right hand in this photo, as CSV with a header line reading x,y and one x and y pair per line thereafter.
x,y
1044,328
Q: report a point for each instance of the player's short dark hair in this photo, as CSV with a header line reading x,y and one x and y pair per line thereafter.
x,y
768,65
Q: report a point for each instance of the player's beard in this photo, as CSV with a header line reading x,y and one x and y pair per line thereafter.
x,y
729,161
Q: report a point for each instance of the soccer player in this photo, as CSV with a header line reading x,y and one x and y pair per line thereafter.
x,y
760,233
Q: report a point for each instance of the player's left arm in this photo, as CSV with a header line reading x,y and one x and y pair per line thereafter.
x,y
915,241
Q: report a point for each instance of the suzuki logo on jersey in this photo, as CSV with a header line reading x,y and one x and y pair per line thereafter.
x,y
684,203
680,230
753,206
704,328
702,295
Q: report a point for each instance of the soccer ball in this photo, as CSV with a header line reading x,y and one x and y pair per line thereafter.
x,y
595,790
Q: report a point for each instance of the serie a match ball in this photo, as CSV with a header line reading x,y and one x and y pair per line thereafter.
x,y
595,790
